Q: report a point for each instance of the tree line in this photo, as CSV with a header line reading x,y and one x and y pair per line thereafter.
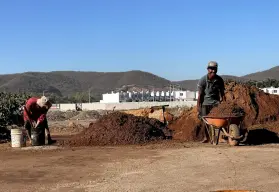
x,y
84,97
265,83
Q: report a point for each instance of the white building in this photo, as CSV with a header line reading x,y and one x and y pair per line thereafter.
x,y
184,95
111,98
271,90
148,96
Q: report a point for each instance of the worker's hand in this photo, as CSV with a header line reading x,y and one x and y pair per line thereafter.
x,y
223,99
38,122
33,123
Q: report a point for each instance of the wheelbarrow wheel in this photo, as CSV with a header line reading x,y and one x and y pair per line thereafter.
x,y
234,132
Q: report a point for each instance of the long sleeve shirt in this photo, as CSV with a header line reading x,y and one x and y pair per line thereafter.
x,y
36,113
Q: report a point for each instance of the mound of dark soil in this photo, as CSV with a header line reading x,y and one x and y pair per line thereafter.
x,y
119,129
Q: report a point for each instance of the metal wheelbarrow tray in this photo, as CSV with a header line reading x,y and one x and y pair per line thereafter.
x,y
230,125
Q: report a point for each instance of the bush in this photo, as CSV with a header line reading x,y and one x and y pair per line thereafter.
x,y
11,109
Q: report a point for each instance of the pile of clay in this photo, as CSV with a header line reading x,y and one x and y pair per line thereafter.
x,y
119,129
227,109
257,106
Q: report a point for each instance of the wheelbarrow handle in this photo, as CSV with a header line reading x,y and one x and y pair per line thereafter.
x,y
202,117
228,135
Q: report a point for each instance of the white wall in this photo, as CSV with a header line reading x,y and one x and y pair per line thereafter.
x,y
134,105
94,106
124,106
55,106
66,107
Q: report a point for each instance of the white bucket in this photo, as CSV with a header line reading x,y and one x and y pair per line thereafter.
x,y
17,138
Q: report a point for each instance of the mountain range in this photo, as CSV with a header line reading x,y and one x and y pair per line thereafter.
x,y
65,83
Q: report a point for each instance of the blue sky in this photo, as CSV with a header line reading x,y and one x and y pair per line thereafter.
x,y
110,35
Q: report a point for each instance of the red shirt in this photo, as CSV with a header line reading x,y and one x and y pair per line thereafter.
x,y
35,111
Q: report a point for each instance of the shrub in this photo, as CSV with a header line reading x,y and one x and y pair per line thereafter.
x,y
11,109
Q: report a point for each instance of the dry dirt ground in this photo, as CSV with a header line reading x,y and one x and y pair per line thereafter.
x,y
156,167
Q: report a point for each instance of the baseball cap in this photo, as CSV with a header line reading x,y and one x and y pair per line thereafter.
x,y
212,64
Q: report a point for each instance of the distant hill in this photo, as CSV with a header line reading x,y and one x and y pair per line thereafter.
x,y
70,82
192,84
65,83
272,73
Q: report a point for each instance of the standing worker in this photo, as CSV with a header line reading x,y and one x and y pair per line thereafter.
x,y
211,91
34,115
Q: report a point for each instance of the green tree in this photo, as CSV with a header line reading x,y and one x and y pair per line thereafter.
x,y
10,108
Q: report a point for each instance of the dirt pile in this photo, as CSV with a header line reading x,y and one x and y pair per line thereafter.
x,y
83,115
68,128
259,108
139,112
158,114
187,127
177,111
151,113
60,115
119,129
56,116
226,109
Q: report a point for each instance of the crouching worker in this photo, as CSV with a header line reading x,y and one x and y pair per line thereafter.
x,y
34,115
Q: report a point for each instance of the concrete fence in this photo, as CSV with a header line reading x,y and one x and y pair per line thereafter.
x,y
122,106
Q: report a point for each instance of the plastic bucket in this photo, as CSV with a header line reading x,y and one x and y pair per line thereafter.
x,y
38,137
17,138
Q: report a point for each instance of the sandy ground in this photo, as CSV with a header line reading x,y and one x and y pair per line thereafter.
x,y
157,167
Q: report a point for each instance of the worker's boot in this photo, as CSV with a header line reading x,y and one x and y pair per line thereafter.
x,y
205,140
49,140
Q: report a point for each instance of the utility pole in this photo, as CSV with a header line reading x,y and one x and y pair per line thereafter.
x,y
153,95
170,92
89,95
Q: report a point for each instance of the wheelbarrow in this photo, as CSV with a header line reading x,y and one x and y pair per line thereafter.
x,y
231,127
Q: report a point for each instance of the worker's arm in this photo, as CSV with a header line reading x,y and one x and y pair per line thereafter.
x,y
43,116
200,98
40,119
222,91
201,88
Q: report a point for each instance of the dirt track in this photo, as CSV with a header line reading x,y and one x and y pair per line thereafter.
x,y
177,167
